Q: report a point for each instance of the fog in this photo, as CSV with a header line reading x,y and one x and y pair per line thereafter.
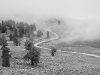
x,y
81,30
81,17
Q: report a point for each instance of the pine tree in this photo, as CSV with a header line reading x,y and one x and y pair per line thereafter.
x,y
33,53
4,29
5,53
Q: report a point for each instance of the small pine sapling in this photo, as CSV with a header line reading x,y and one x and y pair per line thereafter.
x,y
53,50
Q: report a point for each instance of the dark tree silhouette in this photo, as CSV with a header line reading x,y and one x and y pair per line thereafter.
x,y
11,37
33,53
4,29
48,36
34,56
5,53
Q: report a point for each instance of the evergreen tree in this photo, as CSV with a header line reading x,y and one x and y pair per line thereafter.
x,y
5,53
33,53
4,29
34,56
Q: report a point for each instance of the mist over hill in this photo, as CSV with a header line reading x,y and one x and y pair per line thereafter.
x,y
80,30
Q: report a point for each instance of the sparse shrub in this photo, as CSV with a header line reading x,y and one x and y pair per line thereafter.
x,y
53,50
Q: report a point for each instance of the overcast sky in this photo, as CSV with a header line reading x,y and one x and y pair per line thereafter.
x,y
49,8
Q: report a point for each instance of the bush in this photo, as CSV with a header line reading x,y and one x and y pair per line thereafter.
x,y
39,33
53,50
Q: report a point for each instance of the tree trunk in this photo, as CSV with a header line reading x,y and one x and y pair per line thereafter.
x,y
6,62
32,61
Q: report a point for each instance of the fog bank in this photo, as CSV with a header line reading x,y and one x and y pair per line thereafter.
x,y
80,30
83,22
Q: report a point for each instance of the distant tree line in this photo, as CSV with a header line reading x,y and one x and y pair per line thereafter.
x,y
18,29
